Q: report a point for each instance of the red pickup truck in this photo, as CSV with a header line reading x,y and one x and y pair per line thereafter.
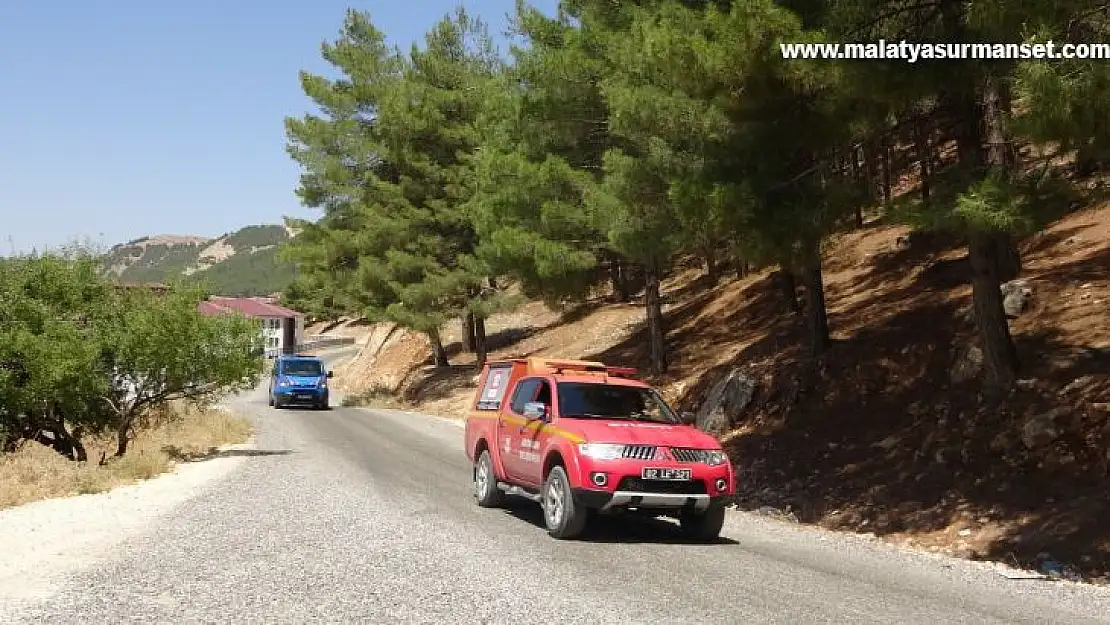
x,y
583,438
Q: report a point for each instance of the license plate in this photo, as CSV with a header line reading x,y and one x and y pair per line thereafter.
x,y
677,475
303,395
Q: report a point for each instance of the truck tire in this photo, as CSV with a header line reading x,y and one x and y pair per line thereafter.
x,y
705,526
485,482
564,518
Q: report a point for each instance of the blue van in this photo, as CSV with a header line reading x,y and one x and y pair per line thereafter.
x,y
299,379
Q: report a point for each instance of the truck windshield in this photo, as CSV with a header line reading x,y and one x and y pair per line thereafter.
x,y
609,401
301,367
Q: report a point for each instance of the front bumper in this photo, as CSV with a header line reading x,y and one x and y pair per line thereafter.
x,y
606,501
301,395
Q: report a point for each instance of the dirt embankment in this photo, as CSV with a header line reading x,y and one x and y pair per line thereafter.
x,y
888,433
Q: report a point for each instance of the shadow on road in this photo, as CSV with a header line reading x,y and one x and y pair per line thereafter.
x,y
180,455
627,528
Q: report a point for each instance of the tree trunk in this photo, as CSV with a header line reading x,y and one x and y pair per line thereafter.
x,y
1005,106
869,168
788,287
1000,362
468,332
887,178
1008,259
438,351
990,254
857,179
656,332
618,277
816,315
60,441
1086,163
921,146
480,340
994,124
123,438
79,453
712,268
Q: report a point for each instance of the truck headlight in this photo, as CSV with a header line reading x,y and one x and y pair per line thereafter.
x,y
715,458
601,451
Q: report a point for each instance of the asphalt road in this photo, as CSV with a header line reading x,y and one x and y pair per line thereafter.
x,y
358,516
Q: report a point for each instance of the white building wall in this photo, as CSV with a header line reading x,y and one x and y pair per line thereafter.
x,y
272,334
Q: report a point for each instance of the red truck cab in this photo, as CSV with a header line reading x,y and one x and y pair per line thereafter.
x,y
583,438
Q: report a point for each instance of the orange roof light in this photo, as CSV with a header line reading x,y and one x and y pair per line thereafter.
x,y
556,366
559,365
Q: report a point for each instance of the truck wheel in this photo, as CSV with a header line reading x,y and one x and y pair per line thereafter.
x,y
705,526
485,482
563,517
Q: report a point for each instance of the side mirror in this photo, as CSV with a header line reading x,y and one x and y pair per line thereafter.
x,y
535,410
689,418
331,374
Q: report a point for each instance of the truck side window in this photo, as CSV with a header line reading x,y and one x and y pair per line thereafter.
x,y
524,393
543,395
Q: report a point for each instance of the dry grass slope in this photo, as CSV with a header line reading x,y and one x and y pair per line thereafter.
x,y
36,472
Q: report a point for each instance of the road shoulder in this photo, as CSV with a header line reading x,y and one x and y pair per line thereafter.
x,y
44,541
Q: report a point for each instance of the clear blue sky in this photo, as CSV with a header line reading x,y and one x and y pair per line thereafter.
x,y
123,118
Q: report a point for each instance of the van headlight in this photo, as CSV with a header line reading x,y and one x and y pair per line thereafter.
x,y
715,458
601,451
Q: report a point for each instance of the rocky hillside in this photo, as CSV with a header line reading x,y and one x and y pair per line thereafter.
x,y
244,262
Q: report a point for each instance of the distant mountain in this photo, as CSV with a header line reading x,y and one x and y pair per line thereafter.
x,y
244,262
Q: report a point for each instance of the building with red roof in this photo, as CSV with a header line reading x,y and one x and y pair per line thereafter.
x,y
282,328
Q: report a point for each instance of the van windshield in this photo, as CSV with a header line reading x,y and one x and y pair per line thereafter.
x,y
610,401
301,367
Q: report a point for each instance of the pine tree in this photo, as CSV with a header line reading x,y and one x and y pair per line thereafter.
x,y
390,166
544,134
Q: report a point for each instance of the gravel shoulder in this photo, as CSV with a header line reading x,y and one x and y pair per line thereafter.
x,y
43,541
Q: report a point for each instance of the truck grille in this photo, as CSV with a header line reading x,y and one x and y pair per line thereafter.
x,y
688,455
639,452
639,485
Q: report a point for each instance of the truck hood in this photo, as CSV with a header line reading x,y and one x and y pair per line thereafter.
x,y
639,433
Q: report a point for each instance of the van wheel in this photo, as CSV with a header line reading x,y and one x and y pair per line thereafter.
x,y
705,526
485,482
564,518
